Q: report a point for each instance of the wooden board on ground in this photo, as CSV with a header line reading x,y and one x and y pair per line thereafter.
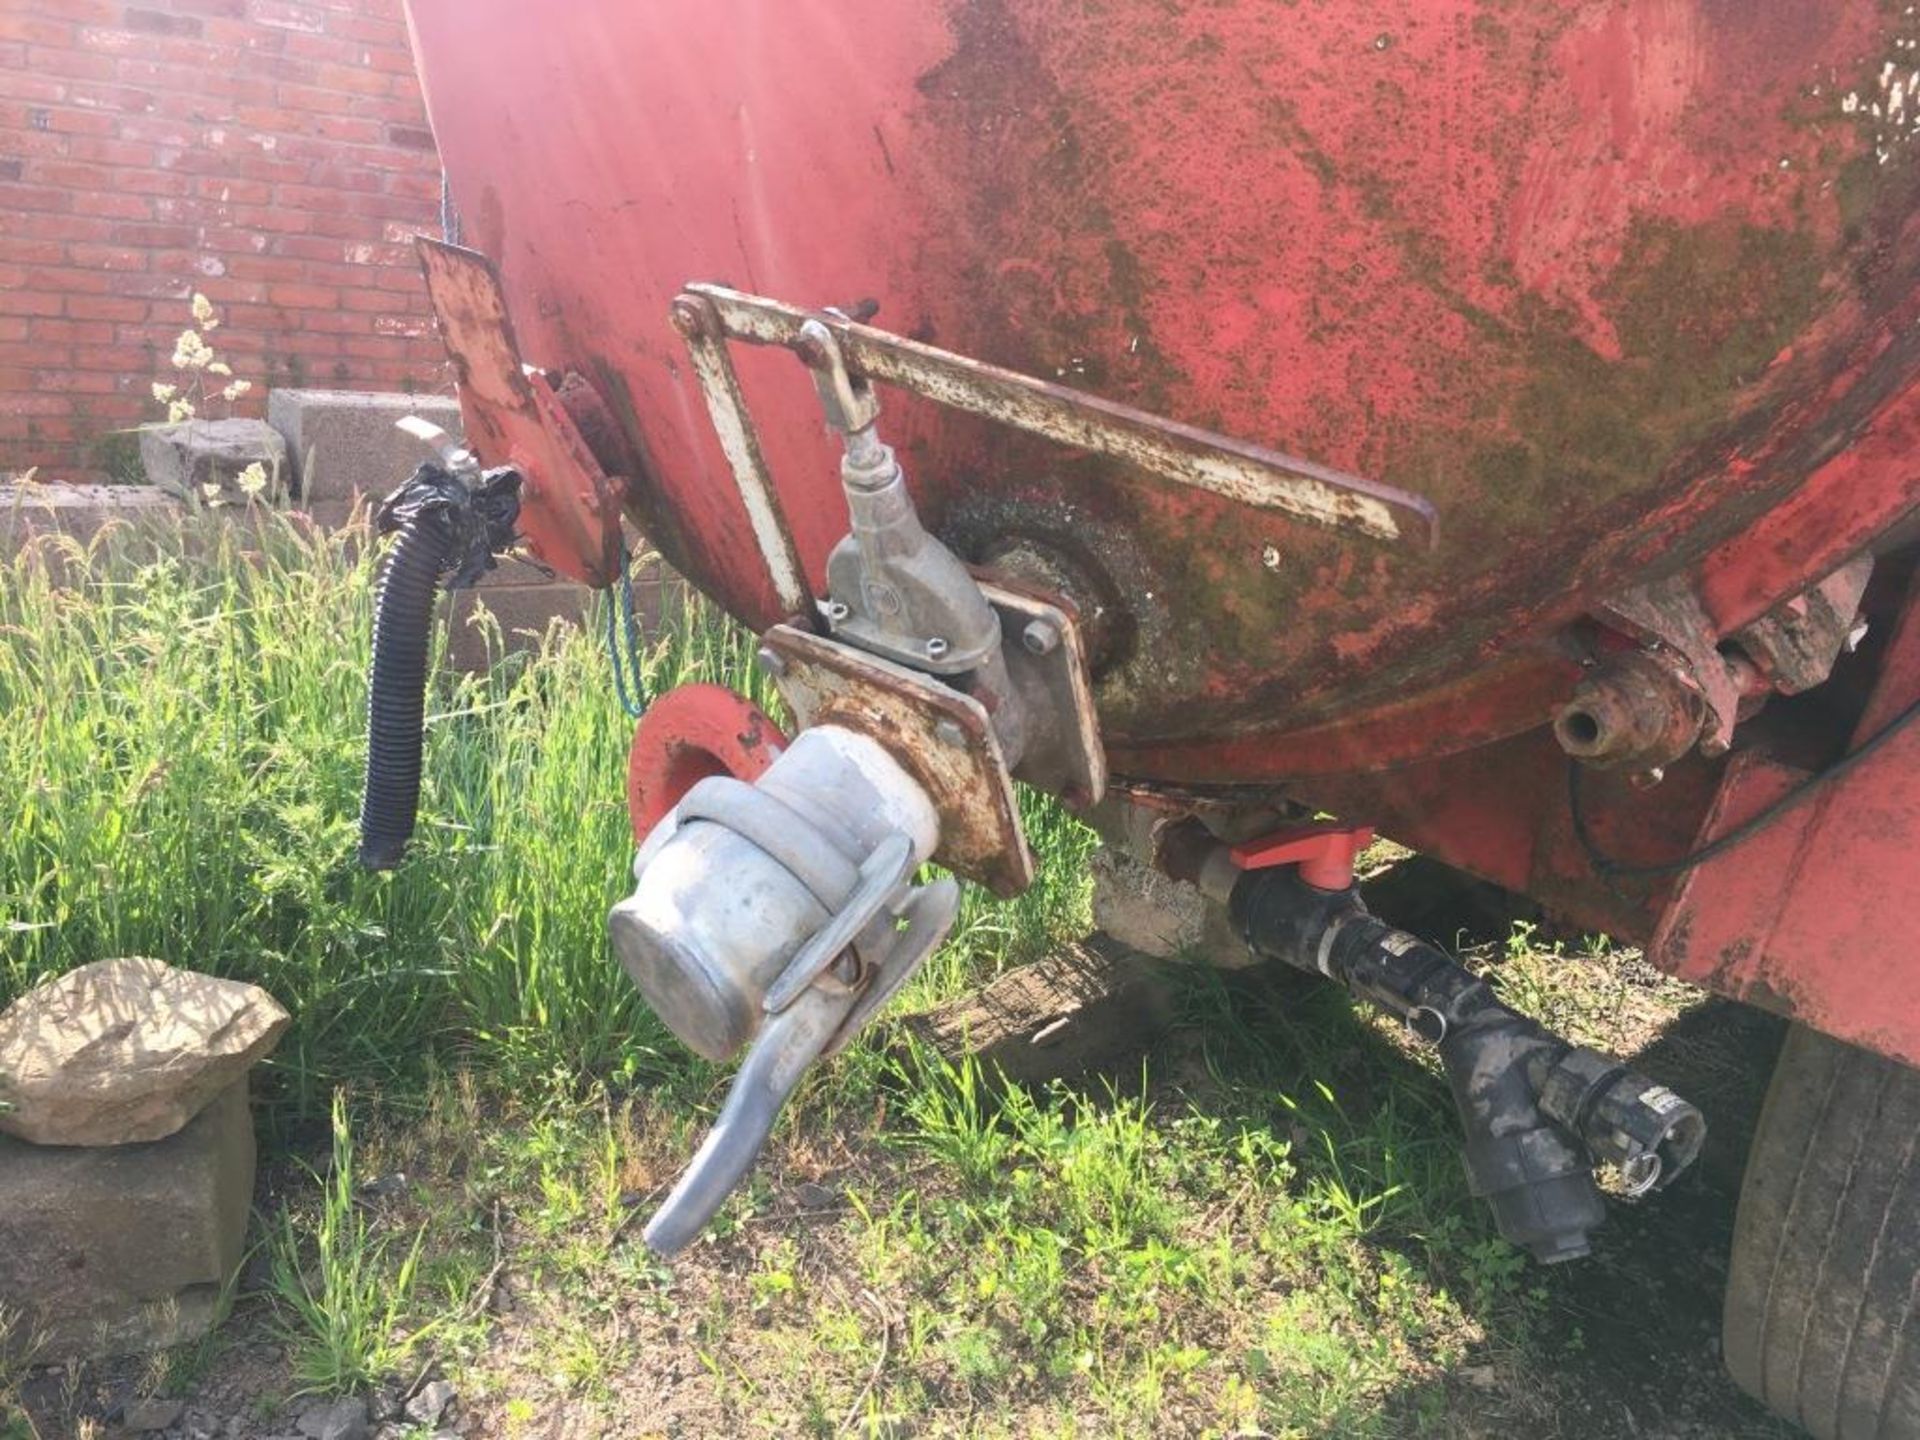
x,y
1094,1004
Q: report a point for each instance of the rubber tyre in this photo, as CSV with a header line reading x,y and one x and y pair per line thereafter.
x,y
1823,1293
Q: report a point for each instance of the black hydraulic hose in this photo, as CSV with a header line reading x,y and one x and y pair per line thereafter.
x,y
1538,1111
443,532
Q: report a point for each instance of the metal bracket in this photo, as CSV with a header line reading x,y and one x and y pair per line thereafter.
x,y
708,316
569,508
943,737
1044,649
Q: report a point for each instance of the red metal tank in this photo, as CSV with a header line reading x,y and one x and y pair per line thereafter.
x,y
1625,288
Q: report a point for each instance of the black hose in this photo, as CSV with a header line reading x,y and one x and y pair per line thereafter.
x,y
1538,1111
443,533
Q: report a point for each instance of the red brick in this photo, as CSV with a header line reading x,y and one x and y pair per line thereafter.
x,y
346,129
369,28
155,236
77,285
331,49
287,15
113,203
29,302
110,257
71,332
80,382
105,307
35,252
304,297
81,122
111,38
37,89
102,151
35,197
76,64
225,190
160,22
36,30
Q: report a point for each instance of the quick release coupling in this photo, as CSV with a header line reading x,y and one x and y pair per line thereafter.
x,y
777,917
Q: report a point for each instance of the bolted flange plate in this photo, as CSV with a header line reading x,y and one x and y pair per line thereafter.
x,y
943,738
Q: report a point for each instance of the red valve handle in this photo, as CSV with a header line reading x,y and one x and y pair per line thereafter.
x,y
1324,851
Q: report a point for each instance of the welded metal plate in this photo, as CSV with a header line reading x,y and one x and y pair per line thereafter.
x,y
1065,758
943,738
569,508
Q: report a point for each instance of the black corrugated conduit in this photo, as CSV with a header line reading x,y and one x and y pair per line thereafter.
x,y
444,533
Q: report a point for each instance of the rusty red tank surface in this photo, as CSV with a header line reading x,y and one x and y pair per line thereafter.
x,y
1625,289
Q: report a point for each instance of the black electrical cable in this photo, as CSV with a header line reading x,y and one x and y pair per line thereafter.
x,y
1745,830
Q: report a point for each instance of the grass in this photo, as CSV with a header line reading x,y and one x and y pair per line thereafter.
x,y
342,1289
1263,1227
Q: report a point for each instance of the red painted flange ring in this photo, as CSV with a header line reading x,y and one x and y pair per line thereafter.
x,y
688,734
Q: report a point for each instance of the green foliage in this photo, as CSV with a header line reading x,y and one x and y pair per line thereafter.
x,y
344,1303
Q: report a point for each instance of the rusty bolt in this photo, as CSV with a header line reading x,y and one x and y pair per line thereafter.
x,y
948,732
937,648
1270,557
771,661
1040,637
837,611
690,318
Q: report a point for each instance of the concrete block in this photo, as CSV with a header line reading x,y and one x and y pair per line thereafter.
x,y
344,441
119,1249
1162,917
522,612
41,508
184,459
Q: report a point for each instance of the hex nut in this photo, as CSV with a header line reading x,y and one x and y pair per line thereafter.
x,y
1040,637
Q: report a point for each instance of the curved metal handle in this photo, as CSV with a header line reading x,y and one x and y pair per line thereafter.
x,y
790,1043
818,1022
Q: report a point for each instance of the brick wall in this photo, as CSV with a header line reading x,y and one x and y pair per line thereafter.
x,y
273,154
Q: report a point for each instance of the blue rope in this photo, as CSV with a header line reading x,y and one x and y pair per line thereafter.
x,y
629,682
449,217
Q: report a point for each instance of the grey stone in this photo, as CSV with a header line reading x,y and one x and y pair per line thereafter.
x,y
810,1196
126,1051
182,459
343,441
341,1420
1162,917
125,1248
385,1403
142,1416
431,1403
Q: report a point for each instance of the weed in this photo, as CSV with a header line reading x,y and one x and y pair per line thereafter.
x,y
344,1303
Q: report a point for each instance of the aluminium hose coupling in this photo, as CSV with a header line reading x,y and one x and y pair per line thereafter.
x,y
779,915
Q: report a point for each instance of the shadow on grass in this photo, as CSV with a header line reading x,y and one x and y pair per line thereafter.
x,y
1625,1343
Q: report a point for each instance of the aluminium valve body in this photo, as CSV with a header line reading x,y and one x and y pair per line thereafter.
x,y
778,915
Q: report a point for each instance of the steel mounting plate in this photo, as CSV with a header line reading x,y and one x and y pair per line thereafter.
x,y
944,739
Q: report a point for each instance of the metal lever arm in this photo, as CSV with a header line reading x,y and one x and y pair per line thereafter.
x,y
791,1041
819,1021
